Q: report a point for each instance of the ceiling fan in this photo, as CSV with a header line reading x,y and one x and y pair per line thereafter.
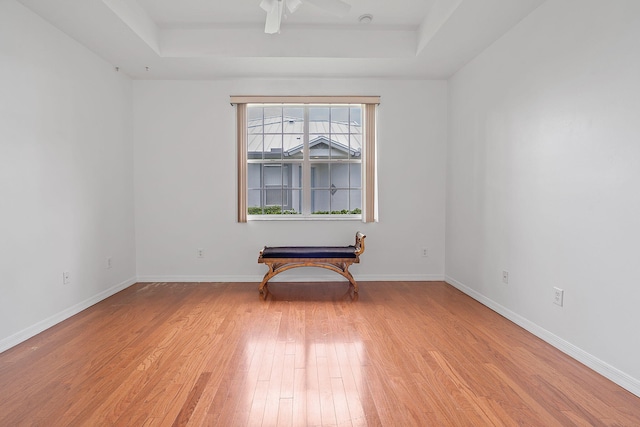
x,y
276,8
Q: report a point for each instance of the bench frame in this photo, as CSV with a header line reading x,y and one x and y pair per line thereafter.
x,y
339,265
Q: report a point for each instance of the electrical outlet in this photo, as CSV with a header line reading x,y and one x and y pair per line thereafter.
x,y
108,263
558,296
66,278
424,252
505,277
200,253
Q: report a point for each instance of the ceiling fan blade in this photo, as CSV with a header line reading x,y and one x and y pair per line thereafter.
x,y
267,5
274,16
292,5
335,7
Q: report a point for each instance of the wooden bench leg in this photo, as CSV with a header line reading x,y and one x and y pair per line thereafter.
x,y
348,275
341,268
269,274
263,284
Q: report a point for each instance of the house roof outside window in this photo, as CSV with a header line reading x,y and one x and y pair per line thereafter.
x,y
284,134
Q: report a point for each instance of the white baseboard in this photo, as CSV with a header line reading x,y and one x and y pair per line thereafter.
x,y
399,277
297,278
33,330
617,376
196,279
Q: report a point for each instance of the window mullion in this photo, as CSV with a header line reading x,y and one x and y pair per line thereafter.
x,y
306,166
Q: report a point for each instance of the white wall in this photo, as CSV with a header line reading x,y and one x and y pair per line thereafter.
x,y
66,176
185,189
544,178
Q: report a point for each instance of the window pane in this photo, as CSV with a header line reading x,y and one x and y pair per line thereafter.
x,y
273,197
339,146
340,201
254,175
254,118
355,201
293,120
319,132
254,112
273,120
355,145
320,201
340,175
340,118
320,175
355,175
254,202
295,205
346,175
319,146
272,175
319,114
272,146
339,132
355,119
293,145
296,175
255,146
318,128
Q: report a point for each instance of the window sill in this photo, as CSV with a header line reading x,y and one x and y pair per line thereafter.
x,y
304,218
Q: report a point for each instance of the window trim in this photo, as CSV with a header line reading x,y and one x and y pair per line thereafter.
x,y
259,99
369,167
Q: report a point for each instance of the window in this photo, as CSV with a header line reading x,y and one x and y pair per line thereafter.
x,y
306,157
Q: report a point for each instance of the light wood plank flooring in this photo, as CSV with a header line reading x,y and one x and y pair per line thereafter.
x,y
309,354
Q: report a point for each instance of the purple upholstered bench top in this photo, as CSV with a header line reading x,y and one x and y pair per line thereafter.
x,y
309,252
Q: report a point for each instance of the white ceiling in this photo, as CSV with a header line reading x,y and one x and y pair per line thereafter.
x,y
205,39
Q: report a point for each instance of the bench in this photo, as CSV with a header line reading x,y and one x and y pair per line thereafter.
x,y
334,258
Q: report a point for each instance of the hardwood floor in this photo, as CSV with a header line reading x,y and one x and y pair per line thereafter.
x,y
398,354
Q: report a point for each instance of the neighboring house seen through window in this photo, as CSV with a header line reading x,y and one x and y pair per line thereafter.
x,y
306,160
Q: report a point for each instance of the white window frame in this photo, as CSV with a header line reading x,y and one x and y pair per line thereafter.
x,y
368,156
